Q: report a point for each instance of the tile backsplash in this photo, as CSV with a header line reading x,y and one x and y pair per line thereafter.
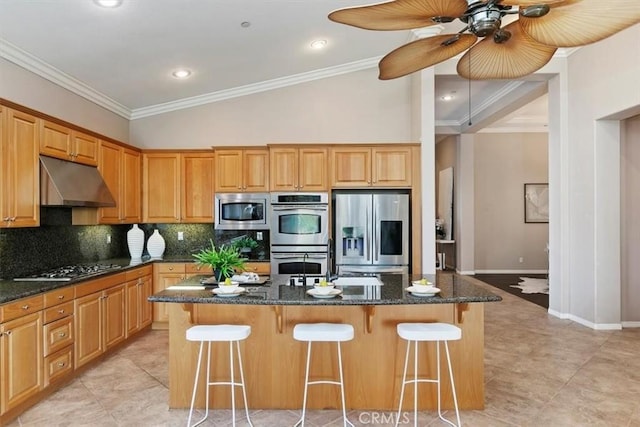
x,y
26,251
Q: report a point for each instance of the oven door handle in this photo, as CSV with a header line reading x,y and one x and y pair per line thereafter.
x,y
296,208
296,256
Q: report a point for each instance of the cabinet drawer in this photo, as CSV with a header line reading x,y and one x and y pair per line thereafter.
x,y
58,312
263,268
58,365
193,268
138,272
170,267
18,308
59,296
58,335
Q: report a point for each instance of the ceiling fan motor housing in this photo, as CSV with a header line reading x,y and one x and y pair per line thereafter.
x,y
484,19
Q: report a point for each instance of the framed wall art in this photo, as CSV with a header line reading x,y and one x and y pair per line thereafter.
x,y
536,203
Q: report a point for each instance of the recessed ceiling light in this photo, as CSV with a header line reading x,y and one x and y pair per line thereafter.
x,y
108,3
245,24
181,74
318,44
446,97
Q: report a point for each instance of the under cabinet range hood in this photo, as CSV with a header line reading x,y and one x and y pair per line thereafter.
x,y
69,184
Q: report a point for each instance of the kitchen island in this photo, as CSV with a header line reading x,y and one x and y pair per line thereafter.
x,y
373,360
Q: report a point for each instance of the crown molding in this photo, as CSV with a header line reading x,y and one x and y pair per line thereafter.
x,y
264,86
31,63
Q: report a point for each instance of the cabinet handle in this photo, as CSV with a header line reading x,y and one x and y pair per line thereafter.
x,y
61,311
61,364
60,296
8,333
62,335
170,268
6,218
12,219
25,307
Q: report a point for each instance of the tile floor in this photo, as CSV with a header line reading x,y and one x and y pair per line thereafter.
x,y
539,371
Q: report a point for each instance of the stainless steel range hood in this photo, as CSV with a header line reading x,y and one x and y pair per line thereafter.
x,y
69,184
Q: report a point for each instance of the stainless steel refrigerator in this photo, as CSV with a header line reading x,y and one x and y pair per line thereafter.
x,y
372,233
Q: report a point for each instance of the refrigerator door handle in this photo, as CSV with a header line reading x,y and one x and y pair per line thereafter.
x,y
376,232
368,237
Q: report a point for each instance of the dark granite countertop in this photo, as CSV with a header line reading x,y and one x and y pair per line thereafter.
x,y
11,290
454,289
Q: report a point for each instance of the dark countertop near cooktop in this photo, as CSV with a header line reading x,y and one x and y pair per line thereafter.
x,y
11,290
453,289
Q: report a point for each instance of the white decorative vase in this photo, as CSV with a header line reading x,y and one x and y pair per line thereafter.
x,y
155,245
135,241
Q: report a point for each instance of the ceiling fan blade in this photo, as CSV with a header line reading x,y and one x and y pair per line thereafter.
x,y
423,53
579,22
399,14
526,3
519,56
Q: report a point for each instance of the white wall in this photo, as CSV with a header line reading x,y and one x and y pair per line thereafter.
x,y
30,90
602,83
355,107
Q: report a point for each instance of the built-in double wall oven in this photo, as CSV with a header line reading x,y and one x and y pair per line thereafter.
x,y
299,233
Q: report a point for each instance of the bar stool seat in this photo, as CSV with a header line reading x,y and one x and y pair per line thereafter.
x,y
219,333
323,332
436,332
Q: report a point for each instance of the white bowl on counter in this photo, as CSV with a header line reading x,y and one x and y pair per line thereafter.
x,y
324,289
228,289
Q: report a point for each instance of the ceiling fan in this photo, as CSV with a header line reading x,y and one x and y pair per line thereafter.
x,y
515,50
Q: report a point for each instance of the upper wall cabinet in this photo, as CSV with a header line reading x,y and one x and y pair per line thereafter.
x,y
242,170
298,169
360,166
64,143
178,187
121,169
20,171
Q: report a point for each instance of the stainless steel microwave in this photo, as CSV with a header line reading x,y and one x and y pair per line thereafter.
x,y
241,211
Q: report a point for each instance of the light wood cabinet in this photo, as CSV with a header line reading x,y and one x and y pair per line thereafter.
x,y
242,170
121,169
67,144
178,187
356,166
298,169
139,309
21,370
19,169
260,268
165,274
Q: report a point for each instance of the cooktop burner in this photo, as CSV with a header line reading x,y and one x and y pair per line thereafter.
x,y
69,272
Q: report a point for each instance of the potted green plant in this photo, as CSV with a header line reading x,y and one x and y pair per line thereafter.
x,y
245,244
224,260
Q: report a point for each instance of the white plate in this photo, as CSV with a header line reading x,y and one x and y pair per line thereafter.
x,y
235,293
420,292
333,293
419,283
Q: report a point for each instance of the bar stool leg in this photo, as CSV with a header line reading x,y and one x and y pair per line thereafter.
x,y
244,392
306,386
233,387
344,405
453,389
195,387
404,378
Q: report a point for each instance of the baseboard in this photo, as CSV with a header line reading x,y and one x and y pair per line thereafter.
x,y
466,273
587,323
631,324
511,271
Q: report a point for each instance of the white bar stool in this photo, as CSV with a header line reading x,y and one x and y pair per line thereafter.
x,y
323,332
217,333
438,332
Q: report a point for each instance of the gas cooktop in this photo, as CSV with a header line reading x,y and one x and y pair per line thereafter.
x,y
69,272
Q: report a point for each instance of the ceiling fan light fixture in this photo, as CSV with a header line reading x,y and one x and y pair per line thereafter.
x,y
501,36
111,4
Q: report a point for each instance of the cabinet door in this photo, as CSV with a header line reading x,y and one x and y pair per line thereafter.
x,y
351,167
84,148
312,169
133,307
55,140
255,170
161,187
21,366
284,169
130,186
228,171
89,328
391,167
146,308
20,201
165,275
110,167
114,316
197,187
